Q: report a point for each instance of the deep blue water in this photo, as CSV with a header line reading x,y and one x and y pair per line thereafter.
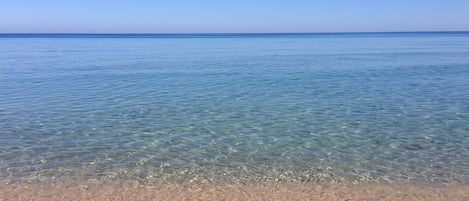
x,y
234,108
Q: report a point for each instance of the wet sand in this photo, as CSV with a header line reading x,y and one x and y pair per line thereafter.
x,y
232,192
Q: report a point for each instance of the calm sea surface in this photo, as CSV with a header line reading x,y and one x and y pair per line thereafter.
x,y
301,108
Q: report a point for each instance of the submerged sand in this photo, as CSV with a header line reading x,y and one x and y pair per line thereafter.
x,y
233,192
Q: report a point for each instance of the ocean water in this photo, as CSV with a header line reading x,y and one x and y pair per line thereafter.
x,y
235,108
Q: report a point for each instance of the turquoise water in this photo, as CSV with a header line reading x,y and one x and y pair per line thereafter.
x,y
301,108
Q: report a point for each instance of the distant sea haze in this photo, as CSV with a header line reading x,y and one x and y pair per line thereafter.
x,y
219,109
228,35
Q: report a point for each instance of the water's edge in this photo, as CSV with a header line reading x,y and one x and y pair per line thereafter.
x,y
233,192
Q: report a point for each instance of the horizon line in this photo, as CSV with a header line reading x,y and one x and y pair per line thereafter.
x,y
218,33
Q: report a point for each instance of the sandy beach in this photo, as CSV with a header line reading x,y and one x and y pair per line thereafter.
x,y
232,192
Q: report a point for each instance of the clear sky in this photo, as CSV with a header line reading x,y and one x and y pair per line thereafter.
x,y
231,16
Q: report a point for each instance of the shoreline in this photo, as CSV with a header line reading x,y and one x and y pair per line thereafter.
x,y
363,192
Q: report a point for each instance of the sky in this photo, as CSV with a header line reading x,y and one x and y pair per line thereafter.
x,y
231,16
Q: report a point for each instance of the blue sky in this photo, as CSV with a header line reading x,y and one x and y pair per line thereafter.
x,y
218,16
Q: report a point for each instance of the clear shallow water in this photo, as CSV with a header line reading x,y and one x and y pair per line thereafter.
x,y
320,108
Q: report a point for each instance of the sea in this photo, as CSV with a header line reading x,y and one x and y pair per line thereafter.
x,y
235,109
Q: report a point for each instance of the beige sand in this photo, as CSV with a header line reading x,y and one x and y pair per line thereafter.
x,y
242,193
